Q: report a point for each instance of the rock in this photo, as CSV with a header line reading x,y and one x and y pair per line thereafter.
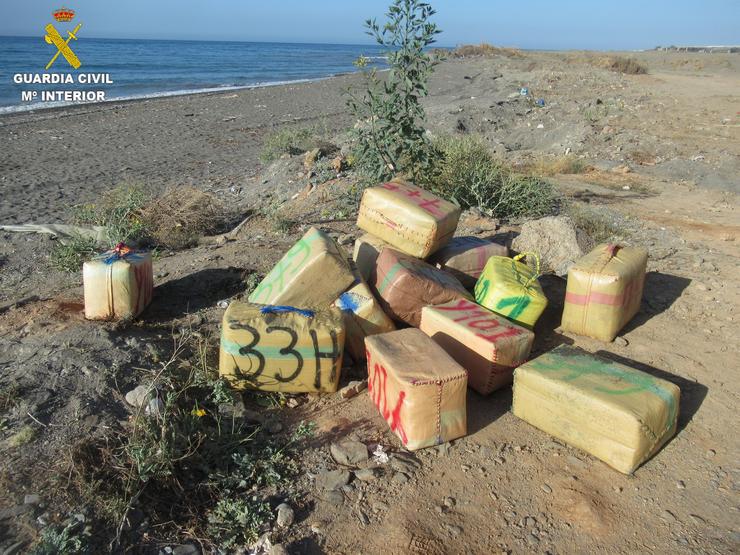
x,y
236,409
546,488
332,480
309,160
285,515
400,478
273,426
278,549
554,239
186,549
366,475
530,521
405,463
15,548
680,485
449,502
711,453
364,520
453,530
15,511
349,453
353,389
621,341
31,499
137,397
443,449
155,407
623,169
334,497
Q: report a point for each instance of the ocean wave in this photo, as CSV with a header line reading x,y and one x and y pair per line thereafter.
x,y
19,108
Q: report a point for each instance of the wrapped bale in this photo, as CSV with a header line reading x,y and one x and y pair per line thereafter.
x,y
417,387
363,316
487,345
510,288
118,284
604,291
281,348
465,258
406,284
313,273
616,413
408,217
365,255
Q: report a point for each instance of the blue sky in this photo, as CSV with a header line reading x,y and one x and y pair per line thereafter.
x,y
563,24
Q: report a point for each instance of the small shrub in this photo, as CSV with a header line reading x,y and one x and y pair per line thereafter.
x,y
389,136
73,253
22,437
287,141
237,521
484,49
67,540
467,173
180,216
560,165
595,223
621,64
119,211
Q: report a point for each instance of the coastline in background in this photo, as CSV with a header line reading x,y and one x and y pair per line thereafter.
x,y
154,68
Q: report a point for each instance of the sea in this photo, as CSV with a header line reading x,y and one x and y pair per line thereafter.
x,y
154,68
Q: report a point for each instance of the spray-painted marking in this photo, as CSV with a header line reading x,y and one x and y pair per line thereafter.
x,y
427,202
480,320
144,285
518,304
377,386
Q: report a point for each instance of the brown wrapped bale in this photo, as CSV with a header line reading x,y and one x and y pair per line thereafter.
x,y
616,413
406,284
465,258
408,217
365,255
487,345
313,273
281,348
604,291
118,284
417,387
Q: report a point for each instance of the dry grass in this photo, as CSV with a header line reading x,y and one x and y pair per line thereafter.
x,y
484,49
621,64
180,216
561,165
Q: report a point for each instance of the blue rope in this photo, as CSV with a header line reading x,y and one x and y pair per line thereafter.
x,y
272,309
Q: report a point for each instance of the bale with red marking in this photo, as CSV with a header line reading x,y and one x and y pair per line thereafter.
x,y
465,258
118,284
417,387
408,217
604,291
406,284
487,345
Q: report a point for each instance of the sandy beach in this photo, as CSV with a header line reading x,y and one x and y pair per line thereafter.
x,y
663,158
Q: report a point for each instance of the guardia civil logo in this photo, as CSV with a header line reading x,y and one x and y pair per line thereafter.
x,y
63,15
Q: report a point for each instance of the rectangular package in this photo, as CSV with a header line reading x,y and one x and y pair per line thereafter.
x,y
313,273
363,316
616,413
511,288
487,345
281,348
417,387
465,258
365,255
604,291
406,284
118,284
408,217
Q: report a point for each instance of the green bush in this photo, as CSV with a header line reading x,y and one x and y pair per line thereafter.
x,y
287,141
390,137
466,172
119,211
70,255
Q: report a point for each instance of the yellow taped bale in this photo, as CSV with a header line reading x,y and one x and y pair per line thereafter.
x,y
487,345
604,291
510,288
279,348
365,255
363,316
417,387
408,217
616,413
313,273
118,284
465,257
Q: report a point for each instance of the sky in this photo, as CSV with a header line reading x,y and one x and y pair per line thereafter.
x,y
533,24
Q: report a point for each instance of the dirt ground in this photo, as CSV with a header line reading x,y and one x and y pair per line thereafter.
x,y
673,137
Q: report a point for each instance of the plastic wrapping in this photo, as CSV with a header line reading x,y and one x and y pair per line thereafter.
x,y
281,348
465,258
604,291
616,413
363,316
487,345
510,288
118,284
408,217
417,387
406,284
313,273
365,255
